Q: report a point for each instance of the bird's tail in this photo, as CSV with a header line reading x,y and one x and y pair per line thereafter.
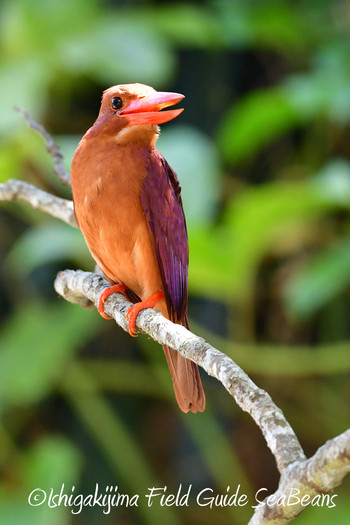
x,y
187,383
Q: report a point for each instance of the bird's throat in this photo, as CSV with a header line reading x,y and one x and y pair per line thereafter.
x,y
144,133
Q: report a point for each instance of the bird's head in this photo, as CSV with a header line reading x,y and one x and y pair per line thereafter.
x,y
132,112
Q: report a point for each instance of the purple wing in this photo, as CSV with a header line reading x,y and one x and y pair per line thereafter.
x,y
162,205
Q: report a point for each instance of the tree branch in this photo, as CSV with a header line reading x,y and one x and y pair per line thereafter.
x,y
310,479
277,431
14,190
300,478
51,147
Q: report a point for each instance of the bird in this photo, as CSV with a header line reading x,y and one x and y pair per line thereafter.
x,y
127,203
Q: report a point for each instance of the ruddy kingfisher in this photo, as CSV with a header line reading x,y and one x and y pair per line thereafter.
x,y
128,206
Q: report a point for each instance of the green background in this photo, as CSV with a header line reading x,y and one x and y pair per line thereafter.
x,y
262,153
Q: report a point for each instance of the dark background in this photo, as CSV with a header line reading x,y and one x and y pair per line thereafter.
x,y
262,153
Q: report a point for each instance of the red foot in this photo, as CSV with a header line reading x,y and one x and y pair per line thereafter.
x,y
120,288
133,311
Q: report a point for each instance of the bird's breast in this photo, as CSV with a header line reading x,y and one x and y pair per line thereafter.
x,y
106,191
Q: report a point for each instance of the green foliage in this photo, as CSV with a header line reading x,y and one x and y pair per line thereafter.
x,y
265,172
119,445
51,462
324,515
95,42
29,364
46,243
255,122
320,281
255,222
194,157
274,24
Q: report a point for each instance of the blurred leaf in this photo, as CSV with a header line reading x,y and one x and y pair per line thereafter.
x,y
36,342
224,260
321,280
326,274
185,24
24,156
9,161
322,515
207,433
211,260
235,20
279,25
220,456
195,160
255,121
133,377
260,117
31,39
95,42
117,47
273,24
38,32
68,145
47,242
309,94
283,360
258,217
119,445
334,181
50,462
23,83
319,94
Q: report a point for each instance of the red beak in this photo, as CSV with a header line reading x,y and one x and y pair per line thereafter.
x,y
147,110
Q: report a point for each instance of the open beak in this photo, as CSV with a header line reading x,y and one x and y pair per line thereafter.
x,y
147,110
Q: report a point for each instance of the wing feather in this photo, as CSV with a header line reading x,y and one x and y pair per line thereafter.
x,y
162,205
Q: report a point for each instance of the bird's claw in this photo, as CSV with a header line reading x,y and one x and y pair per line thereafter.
x,y
116,288
134,310
131,316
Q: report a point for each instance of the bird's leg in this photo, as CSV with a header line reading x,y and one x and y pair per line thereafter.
x,y
134,310
120,288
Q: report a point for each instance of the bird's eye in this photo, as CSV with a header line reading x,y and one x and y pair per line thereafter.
x,y
116,103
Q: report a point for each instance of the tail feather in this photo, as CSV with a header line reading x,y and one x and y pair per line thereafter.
x,y
188,387
187,383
